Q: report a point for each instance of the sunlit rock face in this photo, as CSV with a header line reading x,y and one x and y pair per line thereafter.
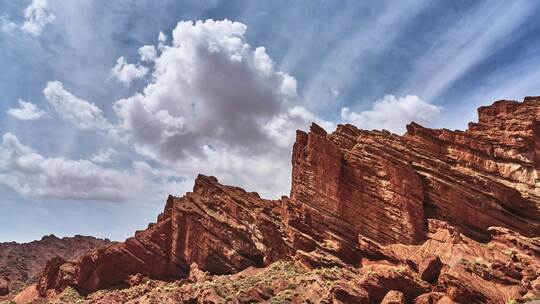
x,y
490,173
385,186
455,212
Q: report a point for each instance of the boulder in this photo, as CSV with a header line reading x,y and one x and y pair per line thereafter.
x,y
394,297
430,268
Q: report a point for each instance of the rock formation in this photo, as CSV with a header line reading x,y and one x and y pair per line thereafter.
x,y
22,263
4,285
433,216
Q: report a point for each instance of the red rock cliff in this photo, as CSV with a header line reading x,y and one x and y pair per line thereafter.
x,y
223,229
385,186
355,195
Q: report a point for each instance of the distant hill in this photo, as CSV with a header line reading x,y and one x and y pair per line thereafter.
x,y
22,263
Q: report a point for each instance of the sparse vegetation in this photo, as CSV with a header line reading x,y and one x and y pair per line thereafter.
x,y
282,297
399,270
328,273
70,295
509,253
482,263
532,298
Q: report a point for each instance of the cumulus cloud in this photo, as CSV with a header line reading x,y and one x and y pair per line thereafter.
x,y
147,53
393,113
81,113
36,16
216,99
32,174
27,111
214,105
210,88
127,72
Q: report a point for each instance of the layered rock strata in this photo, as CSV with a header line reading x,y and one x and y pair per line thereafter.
x,y
458,211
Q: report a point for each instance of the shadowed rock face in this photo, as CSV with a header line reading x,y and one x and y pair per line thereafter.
x,y
434,203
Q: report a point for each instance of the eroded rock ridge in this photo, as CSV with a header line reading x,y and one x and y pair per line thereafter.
x,y
433,215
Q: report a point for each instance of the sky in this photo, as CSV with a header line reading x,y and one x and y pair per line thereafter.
x,y
107,107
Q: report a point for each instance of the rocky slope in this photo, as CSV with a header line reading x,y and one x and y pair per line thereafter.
x,y
22,264
433,216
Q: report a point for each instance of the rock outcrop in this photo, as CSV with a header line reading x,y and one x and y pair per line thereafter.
x,y
23,263
4,285
220,228
430,268
394,297
433,215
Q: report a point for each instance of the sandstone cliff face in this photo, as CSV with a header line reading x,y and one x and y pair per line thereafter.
x,y
23,263
434,215
222,229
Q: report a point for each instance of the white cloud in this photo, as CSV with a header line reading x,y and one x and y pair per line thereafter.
x,y
162,40
36,16
81,113
209,88
147,53
27,111
335,92
6,25
127,72
217,105
32,174
281,128
103,156
393,114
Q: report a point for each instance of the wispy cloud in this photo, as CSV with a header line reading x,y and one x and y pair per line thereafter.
x,y
27,111
489,26
7,25
345,60
80,112
506,82
32,174
104,156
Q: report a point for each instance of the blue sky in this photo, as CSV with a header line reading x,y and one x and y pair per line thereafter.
x,y
106,107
